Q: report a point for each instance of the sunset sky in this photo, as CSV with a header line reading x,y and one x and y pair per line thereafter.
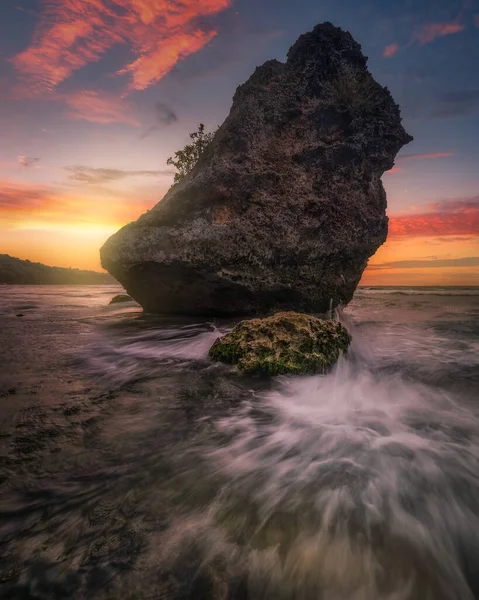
x,y
96,94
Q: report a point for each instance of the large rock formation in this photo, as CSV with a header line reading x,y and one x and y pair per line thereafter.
x,y
286,205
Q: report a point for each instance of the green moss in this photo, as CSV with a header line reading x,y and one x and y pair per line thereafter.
x,y
286,343
226,352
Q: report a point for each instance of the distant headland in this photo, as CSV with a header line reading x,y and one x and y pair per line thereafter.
x,y
17,271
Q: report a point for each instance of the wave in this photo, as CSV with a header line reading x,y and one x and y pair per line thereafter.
x,y
354,485
126,358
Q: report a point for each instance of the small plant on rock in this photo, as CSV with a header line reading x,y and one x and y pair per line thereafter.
x,y
184,160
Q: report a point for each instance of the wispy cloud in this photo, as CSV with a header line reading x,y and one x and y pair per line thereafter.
x,y
21,197
453,217
165,116
469,261
99,107
160,57
391,50
458,238
425,35
75,33
22,205
92,175
431,31
28,161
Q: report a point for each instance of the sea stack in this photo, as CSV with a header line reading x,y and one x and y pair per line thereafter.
x,y
285,206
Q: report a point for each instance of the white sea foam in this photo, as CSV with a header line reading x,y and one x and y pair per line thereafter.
x,y
361,484
365,485
143,355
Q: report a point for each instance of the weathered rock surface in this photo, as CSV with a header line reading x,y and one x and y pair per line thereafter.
x,y
287,342
286,205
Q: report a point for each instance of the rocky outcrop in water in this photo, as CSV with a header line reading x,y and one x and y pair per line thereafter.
x,y
286,204
286,343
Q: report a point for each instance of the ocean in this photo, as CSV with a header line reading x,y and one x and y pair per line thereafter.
x,y
133,468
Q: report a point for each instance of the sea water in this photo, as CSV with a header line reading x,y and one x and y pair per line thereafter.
x,y
167,476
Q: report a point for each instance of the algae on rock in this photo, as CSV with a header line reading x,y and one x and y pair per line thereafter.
x,y
121,298
287,342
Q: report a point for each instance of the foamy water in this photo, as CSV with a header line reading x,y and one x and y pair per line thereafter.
x,y
362,484
366,485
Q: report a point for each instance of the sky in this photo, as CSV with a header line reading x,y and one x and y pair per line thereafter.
x,y
97,94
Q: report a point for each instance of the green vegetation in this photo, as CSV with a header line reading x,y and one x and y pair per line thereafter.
x,y
184,160
287,342
17,271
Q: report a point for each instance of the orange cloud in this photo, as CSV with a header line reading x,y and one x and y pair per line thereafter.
x,y
99,107
155,64
394,170
64,227
430,263
74,33
428,33
391,50
19,197
429,260
431,31
22,205
455,217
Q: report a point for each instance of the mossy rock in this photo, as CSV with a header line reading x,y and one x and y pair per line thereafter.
x,y
285,343
121,298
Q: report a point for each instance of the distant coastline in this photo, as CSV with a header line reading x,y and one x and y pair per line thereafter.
x,y
24,272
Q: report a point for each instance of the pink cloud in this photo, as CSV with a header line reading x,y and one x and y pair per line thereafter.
x,y
99,107
74,33
152,66
429,32
50,205
453,217
28,161
391,50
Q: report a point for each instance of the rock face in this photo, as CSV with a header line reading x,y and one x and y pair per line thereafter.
x,y
287,342
286,204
